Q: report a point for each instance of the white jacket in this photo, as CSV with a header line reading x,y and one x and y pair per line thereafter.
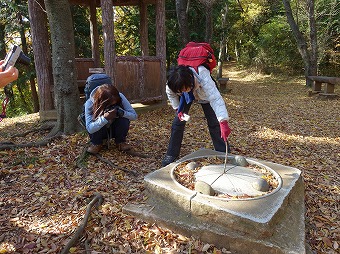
x,y
205,91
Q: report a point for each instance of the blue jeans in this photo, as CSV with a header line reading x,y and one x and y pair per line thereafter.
x,y
117,130
177,131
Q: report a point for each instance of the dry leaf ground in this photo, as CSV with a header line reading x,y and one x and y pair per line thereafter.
x,y
43,196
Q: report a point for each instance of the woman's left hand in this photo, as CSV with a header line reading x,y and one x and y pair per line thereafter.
x,y
225,130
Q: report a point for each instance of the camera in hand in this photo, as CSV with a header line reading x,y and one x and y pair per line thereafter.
x,y
15,55
120,111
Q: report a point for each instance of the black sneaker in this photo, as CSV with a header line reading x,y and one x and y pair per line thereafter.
x,y
167,160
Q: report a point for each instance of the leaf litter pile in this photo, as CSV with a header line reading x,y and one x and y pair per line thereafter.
x,y
44,195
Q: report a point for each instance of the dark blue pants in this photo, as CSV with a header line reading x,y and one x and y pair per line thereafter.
x,y
117,130
177,131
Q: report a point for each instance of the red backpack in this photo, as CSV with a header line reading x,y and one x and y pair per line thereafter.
x,y
197,53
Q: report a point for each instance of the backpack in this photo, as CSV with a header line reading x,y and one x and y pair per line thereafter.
x,y
92,82
95,80
197,53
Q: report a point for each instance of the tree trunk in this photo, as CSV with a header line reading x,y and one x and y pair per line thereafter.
x,y
109,40
313,39
208,24
35,97
42,53
144,41
182,18
301,42
161,42
208,19
2,41
222,42
63,63
34,94
94,34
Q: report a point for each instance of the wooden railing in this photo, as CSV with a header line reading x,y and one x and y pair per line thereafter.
x,y
138,78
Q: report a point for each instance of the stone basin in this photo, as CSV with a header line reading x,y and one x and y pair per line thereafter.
x,y
233,180
272,223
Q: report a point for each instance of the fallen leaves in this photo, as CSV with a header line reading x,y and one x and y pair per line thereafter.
x,y
43,196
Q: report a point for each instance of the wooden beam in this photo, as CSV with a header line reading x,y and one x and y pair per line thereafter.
x,y
114,2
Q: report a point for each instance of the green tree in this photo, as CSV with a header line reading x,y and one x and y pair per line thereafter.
x,y
14,26
81,26
127,30
276,50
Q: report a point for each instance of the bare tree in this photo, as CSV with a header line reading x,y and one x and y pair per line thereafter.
x,y
326,26
63,65
309,57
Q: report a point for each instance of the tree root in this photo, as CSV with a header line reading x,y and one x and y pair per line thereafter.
x,y
110,163
81,160
134,153
45,127
43,142
97,198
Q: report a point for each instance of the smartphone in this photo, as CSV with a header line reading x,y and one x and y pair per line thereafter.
x,y
11,57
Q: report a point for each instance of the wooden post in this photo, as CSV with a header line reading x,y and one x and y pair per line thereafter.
x,y
108,36
317,86
144,29
329,88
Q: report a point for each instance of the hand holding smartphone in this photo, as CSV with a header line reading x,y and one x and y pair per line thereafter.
x,y
13,56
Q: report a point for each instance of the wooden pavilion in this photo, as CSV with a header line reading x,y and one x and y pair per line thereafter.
x,y
141,78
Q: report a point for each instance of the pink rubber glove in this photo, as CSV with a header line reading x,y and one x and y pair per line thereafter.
x,y
225,130
180,116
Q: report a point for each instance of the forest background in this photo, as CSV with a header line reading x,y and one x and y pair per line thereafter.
x,y
258,38
255,34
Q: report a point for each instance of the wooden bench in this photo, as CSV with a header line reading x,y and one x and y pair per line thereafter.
x,y
329,84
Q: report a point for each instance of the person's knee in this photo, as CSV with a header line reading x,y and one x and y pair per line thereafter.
x,y
178,126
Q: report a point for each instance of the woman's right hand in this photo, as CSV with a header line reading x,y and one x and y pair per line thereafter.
x,y
110,115
7,76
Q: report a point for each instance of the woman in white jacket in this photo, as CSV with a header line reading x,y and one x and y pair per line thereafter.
x,y
183,87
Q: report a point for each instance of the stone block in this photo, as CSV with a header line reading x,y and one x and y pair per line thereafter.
x,y
273,223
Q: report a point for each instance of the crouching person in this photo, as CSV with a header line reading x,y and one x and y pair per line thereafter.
x,y
107,115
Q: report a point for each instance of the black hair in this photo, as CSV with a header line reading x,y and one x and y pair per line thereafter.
x,y
179,78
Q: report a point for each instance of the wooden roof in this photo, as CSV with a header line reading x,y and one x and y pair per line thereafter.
x,y
114,2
